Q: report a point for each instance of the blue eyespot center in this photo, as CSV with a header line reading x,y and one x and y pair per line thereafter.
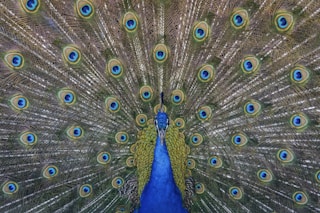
x,y
146,95
86,10
30,138
119,181
32,5
52,171
200,33
299,197
250,108
160,55
297,75
297,120
203,114
68,98
12,187
237,20
86,189
282,22
237,139
22,102
283,155
177,98
105,157
131,24
116,70
73,56
114,105
234,192
248,65
263,175
195,139
16,61
204,74
77,131
142,120
123,137
213,161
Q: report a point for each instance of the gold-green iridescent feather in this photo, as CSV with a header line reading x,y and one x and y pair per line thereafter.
x,y
143,154
178,153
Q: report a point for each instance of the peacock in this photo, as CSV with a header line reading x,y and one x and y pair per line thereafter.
x,y
191,106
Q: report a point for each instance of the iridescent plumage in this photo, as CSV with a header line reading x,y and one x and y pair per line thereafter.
x,y
236,128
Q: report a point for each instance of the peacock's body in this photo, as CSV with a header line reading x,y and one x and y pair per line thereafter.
x,y
236,128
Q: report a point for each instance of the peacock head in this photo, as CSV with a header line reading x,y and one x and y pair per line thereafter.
x,y
161,121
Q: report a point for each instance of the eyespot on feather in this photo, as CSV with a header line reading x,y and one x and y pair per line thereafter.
x,y
84,8
239,18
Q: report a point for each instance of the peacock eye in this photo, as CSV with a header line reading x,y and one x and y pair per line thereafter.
x,y
104,158
130,161
117,182
84,9
252,108
122,137
300,75
160,53
300,198
204,113
141,120
67,97
199,188
85,190
250,65
114,68
179,123
196,139
19,102
71,54
191,164
264,175
28,139
235,192
30,6
283,21
239,139
146,93
50,172
112,104
239,18
285,155
75,132
177,97
130,22
299,121
10,187
215,162
206,73
200,31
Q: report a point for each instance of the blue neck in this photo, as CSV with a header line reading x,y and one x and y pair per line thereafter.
x,y
161,194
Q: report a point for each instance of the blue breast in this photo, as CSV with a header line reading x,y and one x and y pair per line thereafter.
x,y
161,194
